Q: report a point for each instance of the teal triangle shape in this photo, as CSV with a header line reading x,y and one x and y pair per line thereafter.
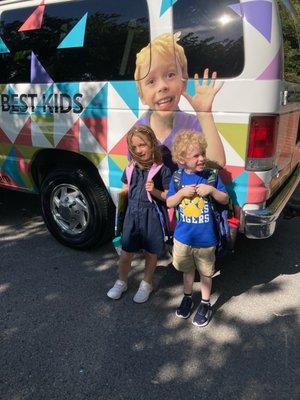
x,y
75,38
238,189
3,47
115,174
10,167
97,108
165,5
127,90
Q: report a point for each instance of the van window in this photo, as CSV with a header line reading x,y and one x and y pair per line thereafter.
x,y
291,43
114,33
212,36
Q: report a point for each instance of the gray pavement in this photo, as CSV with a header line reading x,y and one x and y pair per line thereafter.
x,y
61,338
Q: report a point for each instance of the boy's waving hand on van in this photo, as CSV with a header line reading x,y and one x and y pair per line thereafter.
x,y
205,92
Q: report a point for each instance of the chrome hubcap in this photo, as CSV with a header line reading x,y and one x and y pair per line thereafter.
x,y
70,209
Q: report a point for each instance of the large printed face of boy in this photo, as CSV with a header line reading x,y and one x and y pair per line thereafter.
x,y
162,86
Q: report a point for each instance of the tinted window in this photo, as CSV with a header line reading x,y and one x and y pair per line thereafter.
x,y
290,35
115,32
212,36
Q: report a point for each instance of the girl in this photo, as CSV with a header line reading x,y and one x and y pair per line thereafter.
x,y
146,180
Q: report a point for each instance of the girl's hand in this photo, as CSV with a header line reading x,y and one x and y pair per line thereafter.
x,y
188,191
204,190
205,93
149,186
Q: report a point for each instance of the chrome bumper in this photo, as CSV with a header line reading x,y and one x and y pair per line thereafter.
x,y
260,224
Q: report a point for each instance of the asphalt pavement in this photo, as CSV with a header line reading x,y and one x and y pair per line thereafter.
x,y
62,338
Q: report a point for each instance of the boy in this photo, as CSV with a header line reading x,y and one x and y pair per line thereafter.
x,y
161,75
195,236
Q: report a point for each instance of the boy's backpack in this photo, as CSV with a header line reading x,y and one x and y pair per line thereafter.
x,y
162,214
220,212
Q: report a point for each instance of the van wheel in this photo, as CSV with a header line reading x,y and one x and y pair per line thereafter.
x,y
76,209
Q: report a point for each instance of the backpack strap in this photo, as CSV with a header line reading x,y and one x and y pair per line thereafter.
x,y
152,172
177,176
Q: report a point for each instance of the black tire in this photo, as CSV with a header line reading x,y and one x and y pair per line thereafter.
x,y
76,208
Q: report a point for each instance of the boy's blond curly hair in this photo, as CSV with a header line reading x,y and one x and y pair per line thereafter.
x,y
183,140
165,45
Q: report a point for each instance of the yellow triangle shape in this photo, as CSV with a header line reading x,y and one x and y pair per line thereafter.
x,y
95,158
120,160
236,135
4,151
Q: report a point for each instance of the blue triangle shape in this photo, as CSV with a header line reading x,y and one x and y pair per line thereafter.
x,y
165,5
238,189
127,90
75,38
38,74
97,108
3,47
115,174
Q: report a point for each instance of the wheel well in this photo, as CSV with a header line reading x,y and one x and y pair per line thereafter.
x,y
47,160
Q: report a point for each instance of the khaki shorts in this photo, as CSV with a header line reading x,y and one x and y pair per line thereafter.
x,y
187,258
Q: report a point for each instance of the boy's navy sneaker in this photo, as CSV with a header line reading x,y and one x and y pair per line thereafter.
x,y
203,315
186,305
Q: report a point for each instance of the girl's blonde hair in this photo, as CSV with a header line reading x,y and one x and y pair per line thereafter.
x,y
145,133
183,140
165,45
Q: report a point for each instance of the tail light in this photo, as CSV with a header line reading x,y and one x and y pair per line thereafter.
x,y
262,142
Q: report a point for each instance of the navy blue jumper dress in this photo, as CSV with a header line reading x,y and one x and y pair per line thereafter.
x,y
142,228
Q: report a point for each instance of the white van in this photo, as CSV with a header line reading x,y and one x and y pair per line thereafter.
x,y
68,98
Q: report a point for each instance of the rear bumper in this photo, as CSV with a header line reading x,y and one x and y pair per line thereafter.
x,y
260,224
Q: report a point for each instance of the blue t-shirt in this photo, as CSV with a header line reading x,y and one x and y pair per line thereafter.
x,y
196,225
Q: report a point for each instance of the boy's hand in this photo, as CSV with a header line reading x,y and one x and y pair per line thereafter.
x,y
188,191
204,190
204,94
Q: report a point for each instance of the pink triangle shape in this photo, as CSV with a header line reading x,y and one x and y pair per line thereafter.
x,y
98,127
257,192
35,20
3,138
70,141
24,136
121,147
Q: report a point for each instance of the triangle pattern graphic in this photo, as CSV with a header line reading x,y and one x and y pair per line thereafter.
x,y
35,20
165,5
3,47
38,138
232,132
88,142
42,109
24,136
238,189
273,70
229,173
43,124
258,14
10,167
257,190
97,108
38,74
128,91
75,38
98,127
4,138
121,147
70,141
5,150
119,160
115,174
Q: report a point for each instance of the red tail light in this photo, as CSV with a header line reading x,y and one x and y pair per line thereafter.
x,y
262,141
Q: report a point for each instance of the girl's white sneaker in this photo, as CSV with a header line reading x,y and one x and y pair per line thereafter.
x,y
117,290
143,293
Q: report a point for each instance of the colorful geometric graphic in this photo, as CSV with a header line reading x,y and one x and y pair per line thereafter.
x,y
274,69
258,14
75,38
3,47
165,5
38,74
35,20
